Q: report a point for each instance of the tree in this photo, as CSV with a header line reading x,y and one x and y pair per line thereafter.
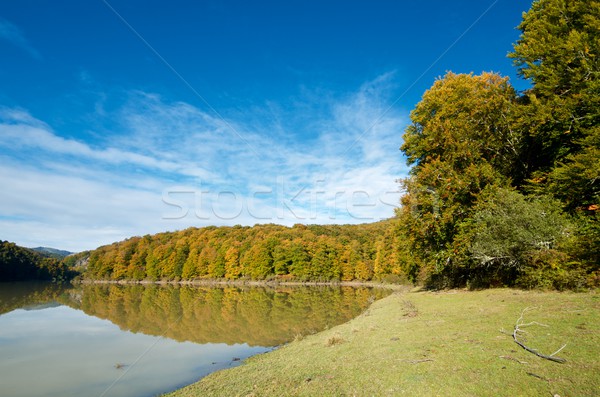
x,y
300,260
346,266
310,253
324,264
464,119
19,264
282,259
575,181
216,268
559,52
206,259
233,269
190,267
460,141
258,261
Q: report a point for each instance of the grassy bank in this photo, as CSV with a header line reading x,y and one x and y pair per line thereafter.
x,y
449,343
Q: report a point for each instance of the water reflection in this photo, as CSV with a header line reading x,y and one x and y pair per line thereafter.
x,y
256,316
29,294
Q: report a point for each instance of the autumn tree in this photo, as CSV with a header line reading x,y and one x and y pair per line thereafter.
x,y
459,142
325,264
308,253
190,267
299,268
233,269
136,270
258,260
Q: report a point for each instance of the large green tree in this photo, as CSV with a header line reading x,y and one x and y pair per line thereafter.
x,y
559,51
459,142
464,119
509,234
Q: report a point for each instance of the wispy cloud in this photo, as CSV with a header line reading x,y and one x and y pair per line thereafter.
x,y
20,130
12,34
169,165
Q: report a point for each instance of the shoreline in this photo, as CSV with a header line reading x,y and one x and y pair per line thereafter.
x,y
253,283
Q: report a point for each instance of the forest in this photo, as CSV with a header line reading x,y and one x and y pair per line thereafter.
x,y
261,252
20,264
504,188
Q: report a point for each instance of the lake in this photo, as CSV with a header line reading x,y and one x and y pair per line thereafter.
x,y
143,340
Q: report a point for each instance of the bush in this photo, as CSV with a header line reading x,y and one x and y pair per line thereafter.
x,y
551,269
510,237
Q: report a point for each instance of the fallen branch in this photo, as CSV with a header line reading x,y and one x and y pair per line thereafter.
x,y
418,361
518,329
513,359
537,376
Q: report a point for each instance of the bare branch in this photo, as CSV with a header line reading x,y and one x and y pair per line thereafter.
x,y
554,354
519,324
537,376
513,359
418,361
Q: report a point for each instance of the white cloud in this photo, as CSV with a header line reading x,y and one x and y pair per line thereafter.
x,y
171,165
12,34
19,129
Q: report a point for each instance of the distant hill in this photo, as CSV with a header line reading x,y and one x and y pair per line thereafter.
x,y
52,252
19,264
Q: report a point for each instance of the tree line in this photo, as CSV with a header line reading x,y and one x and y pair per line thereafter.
x,y
261,252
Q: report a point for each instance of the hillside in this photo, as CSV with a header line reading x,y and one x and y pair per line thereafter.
x,y
19,264
303,253
52,252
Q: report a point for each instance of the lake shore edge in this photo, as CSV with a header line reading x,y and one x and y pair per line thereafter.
x,y
253,283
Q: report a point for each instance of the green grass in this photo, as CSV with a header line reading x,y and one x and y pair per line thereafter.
x,y
455,343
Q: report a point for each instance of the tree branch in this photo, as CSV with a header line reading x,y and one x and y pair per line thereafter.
x,y
519,324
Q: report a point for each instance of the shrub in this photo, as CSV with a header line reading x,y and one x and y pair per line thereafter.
x,y
510,237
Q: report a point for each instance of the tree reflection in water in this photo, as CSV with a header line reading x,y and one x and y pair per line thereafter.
x,y
258,316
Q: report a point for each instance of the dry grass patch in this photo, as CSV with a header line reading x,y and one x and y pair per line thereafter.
x,y
335,340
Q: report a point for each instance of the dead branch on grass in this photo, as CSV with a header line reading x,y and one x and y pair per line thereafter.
x,y
519,330
418,361
513,359
537,376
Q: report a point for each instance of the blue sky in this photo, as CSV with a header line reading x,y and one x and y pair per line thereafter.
x,y
122,118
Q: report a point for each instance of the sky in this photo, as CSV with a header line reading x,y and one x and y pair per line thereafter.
x,y
122,118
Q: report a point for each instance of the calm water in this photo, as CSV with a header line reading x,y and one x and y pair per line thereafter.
x,y
135,340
